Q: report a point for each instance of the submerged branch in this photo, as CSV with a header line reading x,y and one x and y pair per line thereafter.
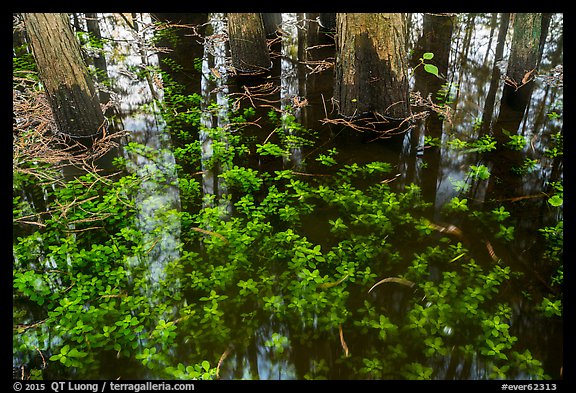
x,y
397,280
445,111
258,93
21,328
224,356
207,232
343,342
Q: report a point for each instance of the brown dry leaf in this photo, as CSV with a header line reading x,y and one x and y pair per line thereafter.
x,y
299,103
216,73
528,76
449,229
491,252
510,82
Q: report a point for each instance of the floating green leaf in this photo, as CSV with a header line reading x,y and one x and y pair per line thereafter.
x,y
556,200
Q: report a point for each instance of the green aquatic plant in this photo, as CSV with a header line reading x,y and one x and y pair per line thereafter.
x,y
483,144
557,146
551,307
277,342
557,199
271,149
457,205
300,282
516,142
480,172
527,166
339,257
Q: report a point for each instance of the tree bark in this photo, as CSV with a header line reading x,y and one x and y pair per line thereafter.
x,y
371,65
328,21
525,45
516,95
99,59
436,38
248,42
523,61
272,22
495,80
64,74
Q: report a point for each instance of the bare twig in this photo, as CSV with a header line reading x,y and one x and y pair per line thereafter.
x,y
41,152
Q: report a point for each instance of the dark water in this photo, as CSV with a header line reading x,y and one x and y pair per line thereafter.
x,y
464,46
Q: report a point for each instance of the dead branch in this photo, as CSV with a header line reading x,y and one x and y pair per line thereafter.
x,y
556,78
35,139
40,152
416,100
317,66
21,328
257,93
527,78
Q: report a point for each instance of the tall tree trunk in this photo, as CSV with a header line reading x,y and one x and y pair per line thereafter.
x,y
248,42
272,22
99,59
65,77
18,37
525,45
495,80
328,20
523,61
371,65
436,38
493,26
516,95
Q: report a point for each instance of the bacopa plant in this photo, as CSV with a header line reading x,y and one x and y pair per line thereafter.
x,y
397,293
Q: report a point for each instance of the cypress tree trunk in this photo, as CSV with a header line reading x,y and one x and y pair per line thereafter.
x,y
516,95
436,38
371,65
248,42
523,61
328,20
272,22
525,45
495,80
93,28
64,74
18,37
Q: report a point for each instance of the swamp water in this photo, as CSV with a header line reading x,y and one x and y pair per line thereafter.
x,y
277,244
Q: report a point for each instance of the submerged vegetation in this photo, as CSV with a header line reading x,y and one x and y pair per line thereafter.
x,y
336,261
